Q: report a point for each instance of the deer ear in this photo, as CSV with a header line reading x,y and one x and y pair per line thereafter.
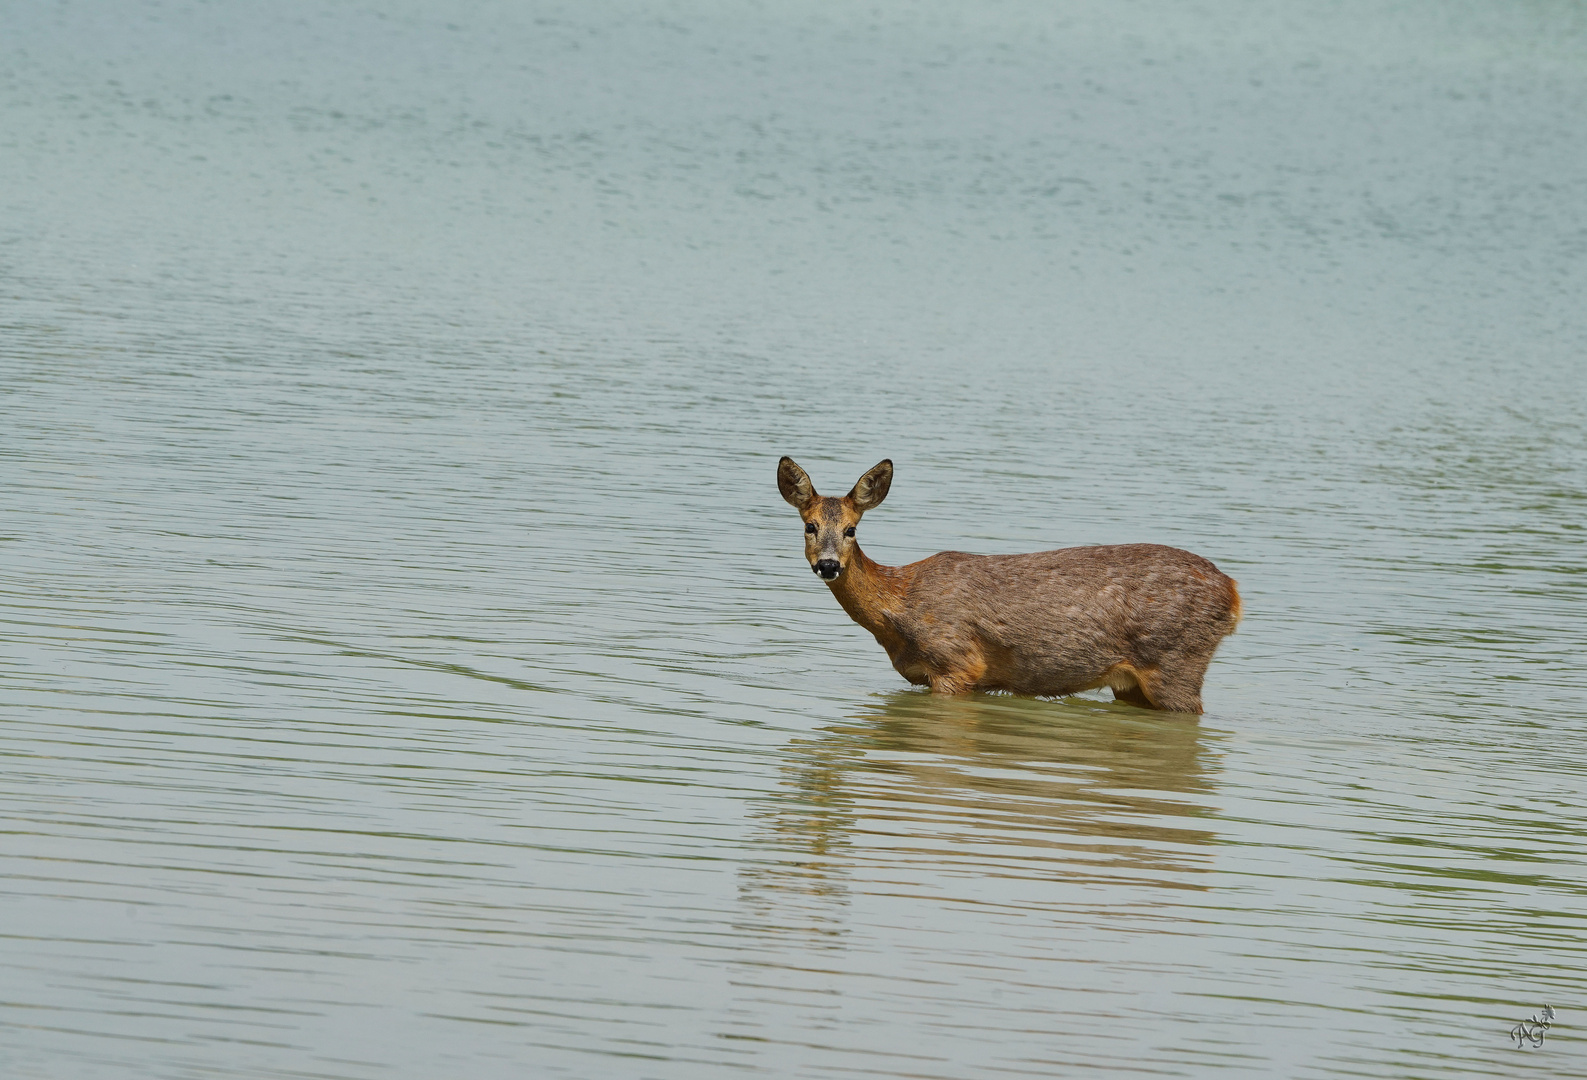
x,y
794,484
871,488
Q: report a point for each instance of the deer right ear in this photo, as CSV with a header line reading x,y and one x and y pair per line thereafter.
x,y
872,487
794,484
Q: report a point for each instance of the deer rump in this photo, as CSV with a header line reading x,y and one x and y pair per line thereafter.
x,y
1141,618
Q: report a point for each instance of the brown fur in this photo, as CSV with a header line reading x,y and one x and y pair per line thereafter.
x,y
1141,619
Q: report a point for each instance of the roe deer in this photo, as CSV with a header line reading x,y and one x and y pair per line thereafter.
x,y
1141,619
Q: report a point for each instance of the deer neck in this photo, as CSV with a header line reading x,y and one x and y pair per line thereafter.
x,y
870,592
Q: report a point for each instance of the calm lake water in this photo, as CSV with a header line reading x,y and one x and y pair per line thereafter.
x,y
410,670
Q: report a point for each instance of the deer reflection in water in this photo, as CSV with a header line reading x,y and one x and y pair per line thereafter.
x,y
990,786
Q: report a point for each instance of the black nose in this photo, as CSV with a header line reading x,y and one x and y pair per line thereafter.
x,y
827,568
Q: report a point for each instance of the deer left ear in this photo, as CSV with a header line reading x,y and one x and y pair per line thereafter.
x,y
871,488
794,484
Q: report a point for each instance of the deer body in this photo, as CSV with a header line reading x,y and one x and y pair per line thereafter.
x,y
1140,618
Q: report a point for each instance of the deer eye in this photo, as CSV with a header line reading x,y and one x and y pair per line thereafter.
x,y
849,531
810,527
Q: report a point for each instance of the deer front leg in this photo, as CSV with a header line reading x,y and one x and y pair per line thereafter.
x,y
959,677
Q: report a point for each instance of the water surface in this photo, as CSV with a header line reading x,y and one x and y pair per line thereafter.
x,y
411,670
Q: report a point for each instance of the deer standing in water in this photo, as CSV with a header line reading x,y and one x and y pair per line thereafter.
x,y
1141,619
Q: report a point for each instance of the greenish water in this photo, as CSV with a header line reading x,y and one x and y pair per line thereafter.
x,y
410,669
